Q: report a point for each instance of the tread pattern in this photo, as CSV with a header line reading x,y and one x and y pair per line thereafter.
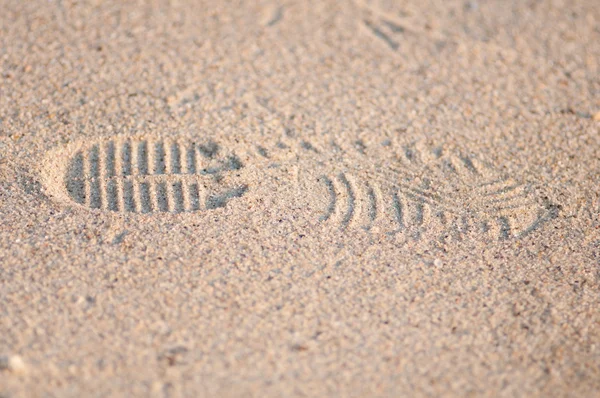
x,y
423,187
410,188
150,176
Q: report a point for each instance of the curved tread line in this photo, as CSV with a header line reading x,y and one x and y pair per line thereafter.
x,y
493,182
504,190
110,153
350,201
468,162
95,193
521,195
398,211
419,213
332,198
498,209
75,183
175,158
382,35
372,203
543,217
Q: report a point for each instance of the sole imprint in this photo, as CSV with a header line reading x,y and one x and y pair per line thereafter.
x,y
417,189
406,188
146,175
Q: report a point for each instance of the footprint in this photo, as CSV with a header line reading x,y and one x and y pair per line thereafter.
x,y
412,189
145,175
419,189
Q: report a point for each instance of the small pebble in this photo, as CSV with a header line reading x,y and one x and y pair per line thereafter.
x,y
437,262
597,116
13,364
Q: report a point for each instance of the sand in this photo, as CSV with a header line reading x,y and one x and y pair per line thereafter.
x,y
298,198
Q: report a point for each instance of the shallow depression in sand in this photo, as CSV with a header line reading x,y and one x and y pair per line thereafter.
x,y
406,189
149,175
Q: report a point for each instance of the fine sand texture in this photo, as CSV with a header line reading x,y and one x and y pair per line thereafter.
x,y
299,198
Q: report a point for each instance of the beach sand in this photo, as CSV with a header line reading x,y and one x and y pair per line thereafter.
x,y
299,198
